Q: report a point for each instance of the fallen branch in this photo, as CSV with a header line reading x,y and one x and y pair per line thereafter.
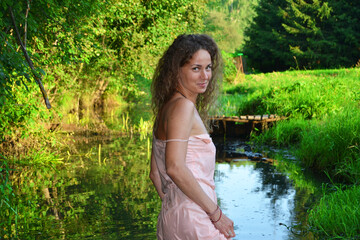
x,y
37,78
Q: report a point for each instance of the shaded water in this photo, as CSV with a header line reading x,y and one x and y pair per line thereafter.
x,y
104,192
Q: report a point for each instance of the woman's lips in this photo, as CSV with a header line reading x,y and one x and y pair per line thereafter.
x,y
202,85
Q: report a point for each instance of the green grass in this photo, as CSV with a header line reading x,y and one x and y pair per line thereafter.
x,y
297,94
332,144
286,133
337,216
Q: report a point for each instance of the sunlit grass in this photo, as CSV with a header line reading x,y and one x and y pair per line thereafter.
x,y
332,144
296,94
229,104
337,216
285,134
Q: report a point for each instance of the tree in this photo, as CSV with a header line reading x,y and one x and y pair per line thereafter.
x,y
345,30
304,34
45,31
86,48
265,45
306,26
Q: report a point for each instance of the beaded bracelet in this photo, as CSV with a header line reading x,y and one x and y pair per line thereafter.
x,y
218,219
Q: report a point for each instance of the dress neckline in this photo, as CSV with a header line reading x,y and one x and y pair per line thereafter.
x,y
191,136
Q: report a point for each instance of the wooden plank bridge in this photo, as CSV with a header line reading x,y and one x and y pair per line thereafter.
x,y
243,126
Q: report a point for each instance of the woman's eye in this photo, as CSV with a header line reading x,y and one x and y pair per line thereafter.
x,y
196,69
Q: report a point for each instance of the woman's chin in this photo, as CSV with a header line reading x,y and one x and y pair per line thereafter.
x,y
203,90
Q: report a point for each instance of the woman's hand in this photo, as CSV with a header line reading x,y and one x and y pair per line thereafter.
x,y
223,224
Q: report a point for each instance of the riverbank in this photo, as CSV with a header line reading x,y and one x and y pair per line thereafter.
x,y
322,130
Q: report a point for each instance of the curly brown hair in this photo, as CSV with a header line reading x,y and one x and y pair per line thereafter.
x,y
166,76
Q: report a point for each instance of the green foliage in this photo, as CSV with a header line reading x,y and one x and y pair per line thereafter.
x,y
18,113
96,48
309,34
262,47
306,23
230,71
337,216
140,31
6,190
345,31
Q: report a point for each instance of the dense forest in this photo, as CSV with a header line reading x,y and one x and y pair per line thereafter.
x,y
301,34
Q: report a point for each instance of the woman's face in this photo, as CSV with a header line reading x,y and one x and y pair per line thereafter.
x,y
196,74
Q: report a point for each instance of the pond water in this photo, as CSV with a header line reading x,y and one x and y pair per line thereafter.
x,y
262,202
104,192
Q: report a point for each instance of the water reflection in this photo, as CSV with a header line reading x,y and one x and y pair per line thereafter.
x,y
102,193
262,202
255,207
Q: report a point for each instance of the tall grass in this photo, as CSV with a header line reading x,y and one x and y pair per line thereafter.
x,y
333,144
285,134
229,104
337,216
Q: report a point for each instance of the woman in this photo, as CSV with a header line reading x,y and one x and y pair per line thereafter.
x,y
183,154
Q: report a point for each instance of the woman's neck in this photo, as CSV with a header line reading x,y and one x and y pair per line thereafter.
x,y
187,96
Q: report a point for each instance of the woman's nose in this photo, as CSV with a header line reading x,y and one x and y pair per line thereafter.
x,y
205,75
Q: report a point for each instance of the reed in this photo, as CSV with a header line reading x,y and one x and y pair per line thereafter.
x,y
42,156
144,128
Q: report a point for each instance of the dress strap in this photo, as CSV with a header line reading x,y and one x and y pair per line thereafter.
x,y
176,140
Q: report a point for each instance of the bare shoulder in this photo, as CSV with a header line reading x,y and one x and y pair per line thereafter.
x,y
179,119
180,108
